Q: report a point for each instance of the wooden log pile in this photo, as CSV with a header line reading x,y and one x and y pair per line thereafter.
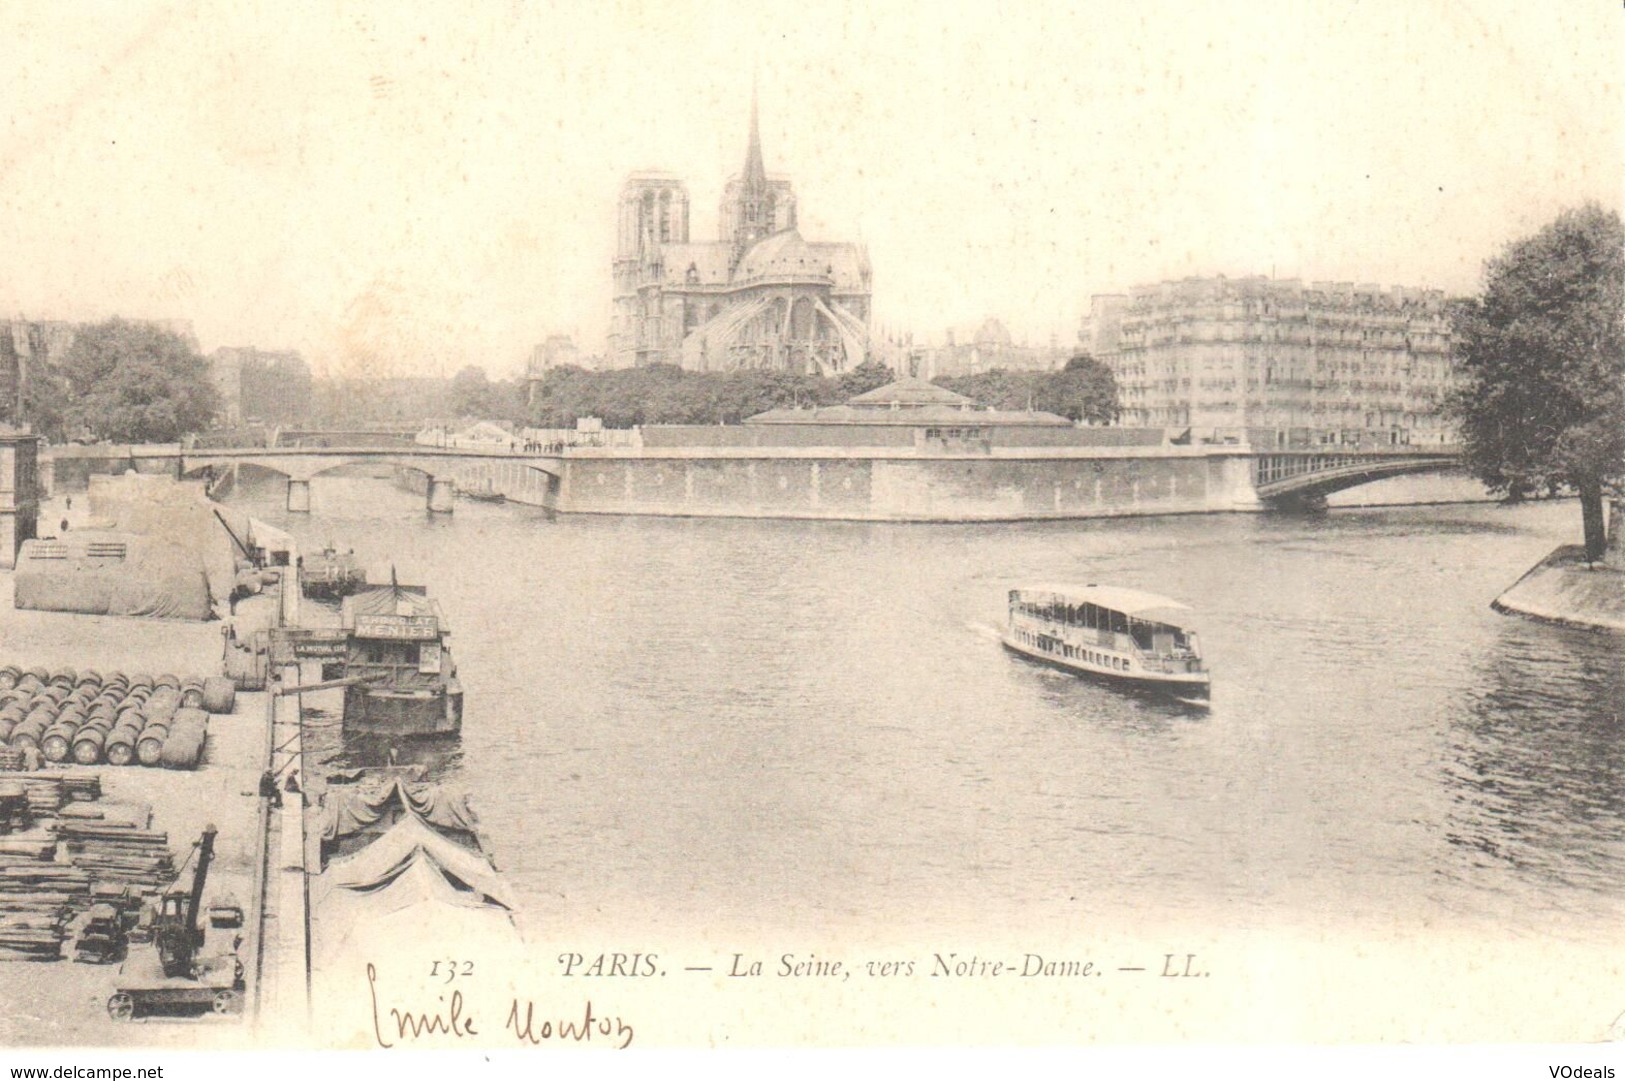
x,y
44,793
50,790
23,847
110,855
37,899
81,787
121,813
119,854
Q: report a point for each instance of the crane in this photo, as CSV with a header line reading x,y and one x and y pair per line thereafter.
x,y
172,975
176,931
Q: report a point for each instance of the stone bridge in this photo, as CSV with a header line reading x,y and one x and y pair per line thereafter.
x,y
441,465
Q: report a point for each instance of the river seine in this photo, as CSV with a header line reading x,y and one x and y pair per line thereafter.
x,y
795,727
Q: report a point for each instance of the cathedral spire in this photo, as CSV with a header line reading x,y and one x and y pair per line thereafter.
x,y
755,172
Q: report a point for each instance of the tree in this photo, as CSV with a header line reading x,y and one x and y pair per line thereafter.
x,y
136,383
998,388
43,405
1541,363
471,393
1083,390
870,375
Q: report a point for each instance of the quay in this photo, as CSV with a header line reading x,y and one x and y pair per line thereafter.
x,y
295,883
1564,588
259,850
907,452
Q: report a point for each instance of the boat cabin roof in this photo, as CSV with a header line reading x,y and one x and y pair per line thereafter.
x,y
391,604
1133,603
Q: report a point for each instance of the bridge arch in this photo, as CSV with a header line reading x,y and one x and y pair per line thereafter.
x,y
302,465
1306,480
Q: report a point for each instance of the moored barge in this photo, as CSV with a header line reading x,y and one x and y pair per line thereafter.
x,y
401,679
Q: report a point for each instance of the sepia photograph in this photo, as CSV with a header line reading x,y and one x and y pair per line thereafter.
x,y
540,526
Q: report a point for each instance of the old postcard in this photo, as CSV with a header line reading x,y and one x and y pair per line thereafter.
x,y
739,525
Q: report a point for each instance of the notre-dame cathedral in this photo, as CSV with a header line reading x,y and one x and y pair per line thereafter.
x,y
759,297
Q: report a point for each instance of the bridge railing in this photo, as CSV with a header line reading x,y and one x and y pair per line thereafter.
x,y
1269,468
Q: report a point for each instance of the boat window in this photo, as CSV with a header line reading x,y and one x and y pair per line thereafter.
x,y
1119,623
1089,616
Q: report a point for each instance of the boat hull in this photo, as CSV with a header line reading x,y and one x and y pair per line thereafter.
x,y
377,712
1189,687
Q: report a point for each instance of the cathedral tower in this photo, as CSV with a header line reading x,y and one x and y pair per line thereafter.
x,y
652,216
753,204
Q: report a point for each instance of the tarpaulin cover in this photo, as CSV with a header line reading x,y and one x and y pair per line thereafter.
x,y
176,511
389,600
348,810
116,574
410,841
418,901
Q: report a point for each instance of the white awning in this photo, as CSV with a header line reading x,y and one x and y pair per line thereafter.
x,y
1134,603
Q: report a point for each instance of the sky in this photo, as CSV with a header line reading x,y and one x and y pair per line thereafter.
x,y
405,189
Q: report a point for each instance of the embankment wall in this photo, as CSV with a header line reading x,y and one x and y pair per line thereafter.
x,y
878,487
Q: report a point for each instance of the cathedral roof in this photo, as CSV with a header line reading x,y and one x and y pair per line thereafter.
x,y
780,254
786,254
710,263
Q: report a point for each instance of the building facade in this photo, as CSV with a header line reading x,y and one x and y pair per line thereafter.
x,y
1331,363
991,347
28,347
19,491
260,386
760,296
558,351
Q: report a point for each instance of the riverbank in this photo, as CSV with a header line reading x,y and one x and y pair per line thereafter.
x,y
63,1003
1564,588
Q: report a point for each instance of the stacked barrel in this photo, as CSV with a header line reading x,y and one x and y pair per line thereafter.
x,y
88,718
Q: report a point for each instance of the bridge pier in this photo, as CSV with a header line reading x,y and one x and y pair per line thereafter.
x,y
298,496
1231,486
1300,503
441,493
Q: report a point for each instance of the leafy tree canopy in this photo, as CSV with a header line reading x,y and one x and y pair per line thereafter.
x,y
136,383
665,394
475,395
1083,390
1540,398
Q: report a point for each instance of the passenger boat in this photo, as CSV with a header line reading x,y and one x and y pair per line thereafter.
x,y
332,575
403,681
1123,636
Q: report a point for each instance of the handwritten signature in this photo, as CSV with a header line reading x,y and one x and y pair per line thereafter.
x,y
454,1018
